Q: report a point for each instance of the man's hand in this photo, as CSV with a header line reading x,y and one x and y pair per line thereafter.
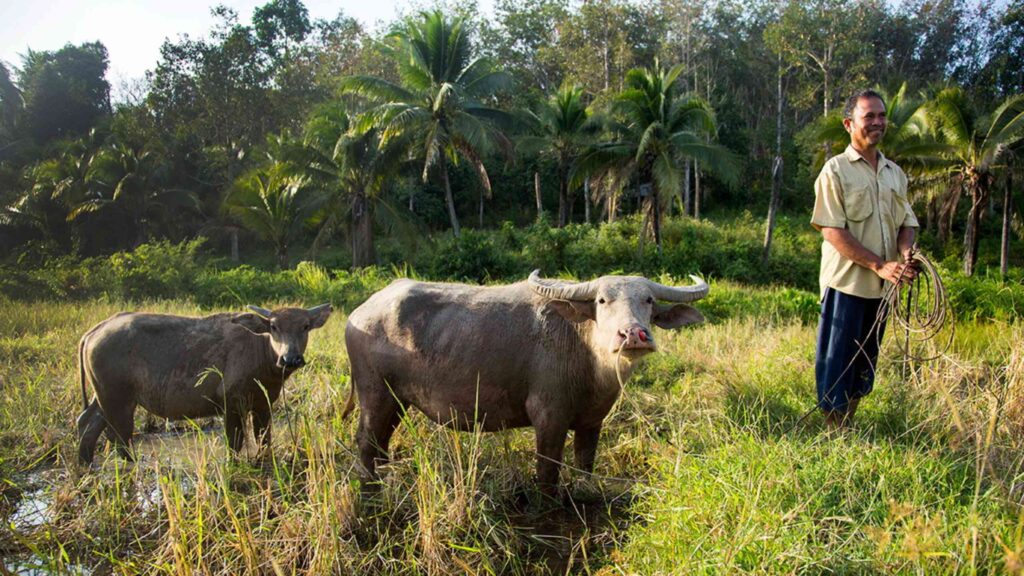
x,y
896,272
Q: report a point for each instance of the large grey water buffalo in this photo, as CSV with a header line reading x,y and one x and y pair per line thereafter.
x,y
182,367
539,353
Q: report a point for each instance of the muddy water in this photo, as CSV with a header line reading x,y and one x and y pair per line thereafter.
x,y
29,508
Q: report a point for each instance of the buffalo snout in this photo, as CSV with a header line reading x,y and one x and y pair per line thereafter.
x,y
292,361
635,337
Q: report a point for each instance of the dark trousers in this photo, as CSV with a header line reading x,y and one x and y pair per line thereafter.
x,y
844,366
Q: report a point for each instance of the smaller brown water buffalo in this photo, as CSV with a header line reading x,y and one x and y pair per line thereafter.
x,y
182,367
539,353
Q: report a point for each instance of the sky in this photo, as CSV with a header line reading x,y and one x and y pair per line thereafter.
x,y
133,30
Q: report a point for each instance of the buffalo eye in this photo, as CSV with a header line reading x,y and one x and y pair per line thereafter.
x,y
306,327
650,300
273,327
600,300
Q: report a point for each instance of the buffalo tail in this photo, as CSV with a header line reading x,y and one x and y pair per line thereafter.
x,y
81,371
350,404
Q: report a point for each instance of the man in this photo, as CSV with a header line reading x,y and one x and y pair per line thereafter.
x,y
868,228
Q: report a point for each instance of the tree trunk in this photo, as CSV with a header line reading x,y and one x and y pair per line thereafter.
x,y
777,165
536,193
282,256
1004,248
971,236
656,218
448,198
563,198
586,201
480,215
773,207
234,245
696,190
363,251
947,212
687,198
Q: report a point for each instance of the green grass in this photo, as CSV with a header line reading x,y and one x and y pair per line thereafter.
x,y
702,468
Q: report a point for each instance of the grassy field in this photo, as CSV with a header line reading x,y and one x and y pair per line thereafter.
x,y
703,468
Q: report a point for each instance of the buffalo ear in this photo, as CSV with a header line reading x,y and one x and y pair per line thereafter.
x,y
252,322
573,311
670,317
320,315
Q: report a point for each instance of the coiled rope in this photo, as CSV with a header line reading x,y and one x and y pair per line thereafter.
x,y
919,310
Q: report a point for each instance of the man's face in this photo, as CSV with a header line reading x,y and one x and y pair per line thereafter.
x,y
867,127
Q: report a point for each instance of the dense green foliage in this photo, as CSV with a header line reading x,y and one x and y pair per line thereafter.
x,y
607,104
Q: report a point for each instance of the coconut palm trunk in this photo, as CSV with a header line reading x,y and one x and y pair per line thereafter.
x,y
448,198
363,253
282,256
564,199
979,197
1004,245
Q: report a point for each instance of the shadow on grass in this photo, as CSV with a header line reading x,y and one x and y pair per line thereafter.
x,y
884,417
576,533
570,534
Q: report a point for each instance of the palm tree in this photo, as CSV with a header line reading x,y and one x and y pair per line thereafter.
x,y
655,130
130,180
273,205
977,148
564,126
438,106
56,186
353,170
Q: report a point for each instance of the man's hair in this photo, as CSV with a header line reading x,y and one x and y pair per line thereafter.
x,y
851,102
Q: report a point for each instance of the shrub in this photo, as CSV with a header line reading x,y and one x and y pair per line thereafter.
x,y
156,270
472,257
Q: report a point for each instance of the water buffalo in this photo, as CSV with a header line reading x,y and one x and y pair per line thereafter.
x,y
182,367
539,353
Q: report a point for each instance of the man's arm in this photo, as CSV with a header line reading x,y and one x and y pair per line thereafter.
x,y
905,241
850,247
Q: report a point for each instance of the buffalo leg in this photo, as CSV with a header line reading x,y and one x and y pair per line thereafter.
x,y
261,424
550,446
234,427
121,427
585,446
376,425
90,425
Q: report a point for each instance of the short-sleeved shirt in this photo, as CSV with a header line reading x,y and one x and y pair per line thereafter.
x,y
872,205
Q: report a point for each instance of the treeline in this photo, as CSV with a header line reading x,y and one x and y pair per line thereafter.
x,y
298,134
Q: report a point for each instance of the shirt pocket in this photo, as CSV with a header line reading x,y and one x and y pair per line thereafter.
x,y
899,207
858,204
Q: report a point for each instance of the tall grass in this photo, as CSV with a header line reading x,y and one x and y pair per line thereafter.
x,y
703,468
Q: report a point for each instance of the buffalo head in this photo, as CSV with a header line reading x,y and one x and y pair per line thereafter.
x,y
622,308
288,329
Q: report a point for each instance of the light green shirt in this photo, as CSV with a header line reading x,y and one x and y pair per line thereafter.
x,y
872,205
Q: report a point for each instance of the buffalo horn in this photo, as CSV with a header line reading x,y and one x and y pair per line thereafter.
x,y
680,293
261,311
317,309
561,290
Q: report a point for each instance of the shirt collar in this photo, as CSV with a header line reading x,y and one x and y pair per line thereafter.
x,y
852,155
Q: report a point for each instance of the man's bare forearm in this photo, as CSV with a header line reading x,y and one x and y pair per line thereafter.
x,y
905,240
851,248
